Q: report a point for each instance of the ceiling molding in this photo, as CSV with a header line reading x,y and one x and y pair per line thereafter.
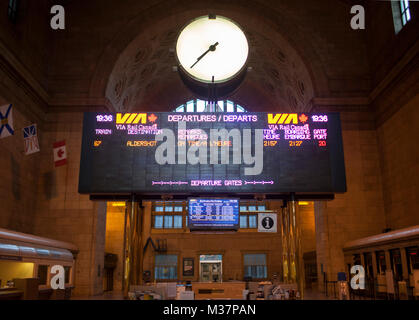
x,y
341,101
80,104
22,77
76,101
78,108
408,57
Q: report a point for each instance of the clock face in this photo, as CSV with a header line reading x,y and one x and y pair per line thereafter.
x,y
209,48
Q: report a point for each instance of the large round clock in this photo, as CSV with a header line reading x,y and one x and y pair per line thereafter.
x,y
212,49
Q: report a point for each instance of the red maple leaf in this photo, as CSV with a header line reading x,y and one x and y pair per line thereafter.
x,y
303,118
152,117
60,152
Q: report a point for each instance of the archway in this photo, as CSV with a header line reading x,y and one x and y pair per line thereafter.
x,y
140,76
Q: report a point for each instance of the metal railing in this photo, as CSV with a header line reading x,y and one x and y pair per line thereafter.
x,y
373,290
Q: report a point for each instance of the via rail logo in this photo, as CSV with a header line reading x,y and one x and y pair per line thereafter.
x,y
358,280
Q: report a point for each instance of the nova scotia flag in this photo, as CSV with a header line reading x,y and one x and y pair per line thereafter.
x,y
6,121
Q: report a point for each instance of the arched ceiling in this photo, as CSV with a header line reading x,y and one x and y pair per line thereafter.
x,y
123,53
143,75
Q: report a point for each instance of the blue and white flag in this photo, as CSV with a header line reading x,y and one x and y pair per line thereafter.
x,y
6,121
30,138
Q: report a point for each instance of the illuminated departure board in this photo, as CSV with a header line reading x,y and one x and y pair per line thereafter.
x,y
213,214
225,153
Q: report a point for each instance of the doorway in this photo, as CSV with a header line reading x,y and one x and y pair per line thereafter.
x,y
211,268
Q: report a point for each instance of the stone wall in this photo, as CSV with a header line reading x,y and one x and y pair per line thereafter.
x,y
399,157
317,31
385,48
382,178
61,212
27,40
360,211
190,245
308,230
42,70
231,245
19,173
115,219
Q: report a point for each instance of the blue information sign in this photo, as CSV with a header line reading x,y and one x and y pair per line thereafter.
x,y
213,214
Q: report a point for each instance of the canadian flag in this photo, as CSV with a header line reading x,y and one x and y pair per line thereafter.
x,y
60,153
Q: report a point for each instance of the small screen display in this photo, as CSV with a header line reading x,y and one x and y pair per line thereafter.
x,y
213,214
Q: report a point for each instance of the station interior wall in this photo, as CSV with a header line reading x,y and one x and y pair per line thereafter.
x,y
379,133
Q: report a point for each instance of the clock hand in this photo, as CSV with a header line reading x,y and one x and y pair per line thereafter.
x,y
211,48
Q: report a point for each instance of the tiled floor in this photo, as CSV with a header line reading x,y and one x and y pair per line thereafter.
x,y
117,295
317,295
111,295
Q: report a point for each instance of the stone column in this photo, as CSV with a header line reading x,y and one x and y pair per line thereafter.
x,y
296,253
133,248
405,261
388,260
374,264
292,249
98,250
285,238
362,258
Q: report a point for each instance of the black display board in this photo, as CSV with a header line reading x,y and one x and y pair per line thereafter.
x,y
299,153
